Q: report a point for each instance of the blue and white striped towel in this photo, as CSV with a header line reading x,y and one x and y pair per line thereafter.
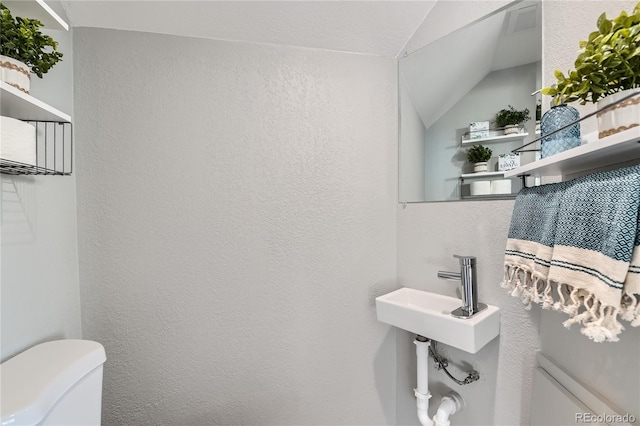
x,y
575,247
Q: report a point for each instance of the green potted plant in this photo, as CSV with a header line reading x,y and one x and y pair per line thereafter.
x,y
478,155
510,119
607,69
24,49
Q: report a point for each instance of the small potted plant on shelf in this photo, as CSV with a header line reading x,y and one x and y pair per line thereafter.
x,y
607,69
510,119
478,155
24,49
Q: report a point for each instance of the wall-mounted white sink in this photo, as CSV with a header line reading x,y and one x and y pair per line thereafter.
x,y
429,315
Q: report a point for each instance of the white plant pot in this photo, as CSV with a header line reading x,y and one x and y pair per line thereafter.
x,y
511,129
15,73
480,167
621,117
480,187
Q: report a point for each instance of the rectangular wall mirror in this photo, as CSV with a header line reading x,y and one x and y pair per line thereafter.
x,y
467,77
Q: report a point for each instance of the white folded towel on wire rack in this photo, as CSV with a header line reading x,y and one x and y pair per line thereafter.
x,y
17,141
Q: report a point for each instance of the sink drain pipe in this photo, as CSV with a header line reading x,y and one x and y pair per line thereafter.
x,y
449,404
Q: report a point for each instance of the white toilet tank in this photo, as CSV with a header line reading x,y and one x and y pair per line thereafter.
x,y
53,383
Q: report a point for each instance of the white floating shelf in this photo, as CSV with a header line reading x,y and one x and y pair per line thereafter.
x,y
495,139
614,149
37,9
479,175
17,104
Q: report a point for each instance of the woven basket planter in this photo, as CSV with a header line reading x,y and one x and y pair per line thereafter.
x,y
480,167
512,129
15,73
621,117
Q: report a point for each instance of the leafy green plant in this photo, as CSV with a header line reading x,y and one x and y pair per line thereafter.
x,y
608,62
511,117
478,154
21,39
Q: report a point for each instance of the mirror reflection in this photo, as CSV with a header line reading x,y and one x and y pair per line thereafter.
x,y
450,93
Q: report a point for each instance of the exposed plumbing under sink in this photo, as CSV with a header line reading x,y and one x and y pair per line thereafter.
x,y
449,404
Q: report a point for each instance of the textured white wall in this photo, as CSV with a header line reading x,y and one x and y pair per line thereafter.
x,y
612,369
429,234
236,209
560,42
40,291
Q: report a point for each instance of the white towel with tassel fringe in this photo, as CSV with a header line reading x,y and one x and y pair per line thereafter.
x,y
575,247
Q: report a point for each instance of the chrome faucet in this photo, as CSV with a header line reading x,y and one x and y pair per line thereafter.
x,y
468,287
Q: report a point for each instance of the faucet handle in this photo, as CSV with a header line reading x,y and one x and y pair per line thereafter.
x,y
466,260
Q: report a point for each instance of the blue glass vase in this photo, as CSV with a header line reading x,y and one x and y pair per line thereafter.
x,y
559,116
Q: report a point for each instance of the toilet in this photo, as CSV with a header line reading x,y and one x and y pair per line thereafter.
x,y
53,383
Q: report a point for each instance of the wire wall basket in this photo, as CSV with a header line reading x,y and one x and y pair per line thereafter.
x,y
53,154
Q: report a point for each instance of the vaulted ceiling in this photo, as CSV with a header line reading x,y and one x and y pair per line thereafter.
x,y
436,76
380,28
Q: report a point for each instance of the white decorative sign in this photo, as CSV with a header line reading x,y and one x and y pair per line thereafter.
x,y
479,130
508,162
